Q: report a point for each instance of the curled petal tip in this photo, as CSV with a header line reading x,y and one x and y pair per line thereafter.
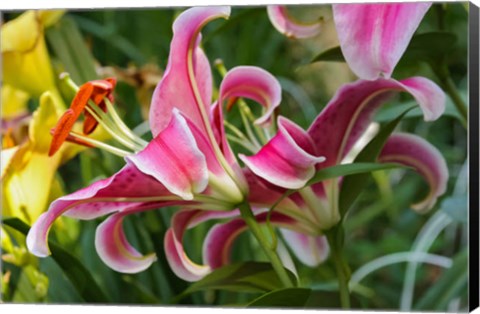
x,y
115,251
415,152
253,83
288,160
286,25
37,238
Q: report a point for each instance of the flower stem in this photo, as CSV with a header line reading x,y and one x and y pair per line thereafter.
x,y
451,90
341,266
448,85
277,265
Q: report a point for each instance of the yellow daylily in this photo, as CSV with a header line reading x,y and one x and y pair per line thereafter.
x,y
27,171
14,101
26,63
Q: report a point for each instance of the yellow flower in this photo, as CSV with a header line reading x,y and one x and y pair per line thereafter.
x,y
27,171
14,102
26,63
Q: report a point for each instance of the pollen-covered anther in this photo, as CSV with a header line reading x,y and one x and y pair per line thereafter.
x,y
93,99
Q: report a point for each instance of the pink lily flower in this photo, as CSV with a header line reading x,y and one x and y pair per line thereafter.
x,y
291,158
188,163
373,37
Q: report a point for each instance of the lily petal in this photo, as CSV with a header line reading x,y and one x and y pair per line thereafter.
x,y
349,113
286,25
253,83
176,256
414,151
310,250
373,37
219,241
288,159
187,81
174,159
129,185
115,250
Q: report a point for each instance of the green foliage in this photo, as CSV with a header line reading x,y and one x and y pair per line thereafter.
x,y
80,277
250,277
283,298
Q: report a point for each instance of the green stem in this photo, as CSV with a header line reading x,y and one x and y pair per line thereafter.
x,y
451,90
277,265
449,86
341,267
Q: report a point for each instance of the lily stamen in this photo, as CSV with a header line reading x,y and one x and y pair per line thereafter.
x,y
90,142
94,99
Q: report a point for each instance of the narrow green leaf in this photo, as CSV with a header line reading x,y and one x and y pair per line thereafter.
x,y
290,297
80,277
354,184
83,58
350,169
431,46
333,55
450,285
62,51
112,38
69,47
251,277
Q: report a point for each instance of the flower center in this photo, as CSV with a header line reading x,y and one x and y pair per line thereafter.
x,y
94,99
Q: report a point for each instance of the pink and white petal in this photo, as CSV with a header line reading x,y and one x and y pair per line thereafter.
x,y
174,159
179,262
415,152
220,239
429,96
105,196
286,25
373,37
310,250
175,253
347,116
253,83
114,249
187,81
288,159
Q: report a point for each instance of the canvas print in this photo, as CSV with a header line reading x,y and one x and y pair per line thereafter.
x,y
303,157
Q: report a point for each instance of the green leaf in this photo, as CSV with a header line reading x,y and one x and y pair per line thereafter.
x,y
69,46
451,284
333,55
429,47
80,277
354,184
251,277
232,22
290,297
350,169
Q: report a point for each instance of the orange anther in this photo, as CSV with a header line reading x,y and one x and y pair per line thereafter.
x,y
102,89
94,90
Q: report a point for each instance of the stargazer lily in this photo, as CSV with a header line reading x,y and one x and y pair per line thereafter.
x,y
291,158
188,163
378,32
